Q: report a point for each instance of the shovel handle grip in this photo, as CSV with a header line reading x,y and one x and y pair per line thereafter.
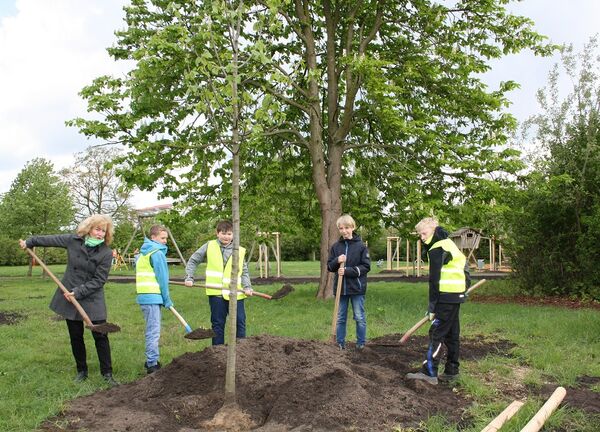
x,y
74,302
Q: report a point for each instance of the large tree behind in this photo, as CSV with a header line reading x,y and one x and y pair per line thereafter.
x,y
385,90
95,186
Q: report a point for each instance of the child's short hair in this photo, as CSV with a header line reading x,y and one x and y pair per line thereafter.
x,y
346,220
224,226
427,222
157,229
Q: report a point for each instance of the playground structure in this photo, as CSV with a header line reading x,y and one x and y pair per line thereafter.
x,y
263,239
151,212
467,239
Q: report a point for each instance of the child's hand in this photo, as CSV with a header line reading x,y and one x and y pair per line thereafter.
x,y
22,244
248,292
341,271
189,283
342,258
69,296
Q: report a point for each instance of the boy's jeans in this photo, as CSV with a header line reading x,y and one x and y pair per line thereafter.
x,y
219,309
358,310
152,316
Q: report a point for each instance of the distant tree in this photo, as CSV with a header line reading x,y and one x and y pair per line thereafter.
x,y
38,202
556,218
95,185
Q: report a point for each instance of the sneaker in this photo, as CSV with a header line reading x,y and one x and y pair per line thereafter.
x,y
109,379
423,377
341,346
360,347
448,377
81,376
153,368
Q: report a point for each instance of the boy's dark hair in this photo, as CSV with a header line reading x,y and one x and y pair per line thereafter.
x,y
224,226
157,229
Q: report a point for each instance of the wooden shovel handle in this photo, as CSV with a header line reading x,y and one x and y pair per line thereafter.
x,y
187,327
74,302
336,307
254,293
424,320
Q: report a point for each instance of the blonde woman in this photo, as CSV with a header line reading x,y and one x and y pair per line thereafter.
x,y
88,262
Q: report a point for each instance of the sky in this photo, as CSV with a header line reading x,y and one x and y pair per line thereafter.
x,y
49,50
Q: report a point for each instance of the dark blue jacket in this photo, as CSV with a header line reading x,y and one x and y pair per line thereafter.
x,y
358,264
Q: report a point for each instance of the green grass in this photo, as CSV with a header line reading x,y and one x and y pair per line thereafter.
x,y
36,365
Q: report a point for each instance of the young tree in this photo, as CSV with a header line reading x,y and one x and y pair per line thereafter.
x,y
386,89
95,186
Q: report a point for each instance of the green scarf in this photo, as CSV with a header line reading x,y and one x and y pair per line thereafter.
x,y
93,242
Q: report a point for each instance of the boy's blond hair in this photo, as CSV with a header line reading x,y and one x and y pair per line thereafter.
x,y
346,220
426,222
95,220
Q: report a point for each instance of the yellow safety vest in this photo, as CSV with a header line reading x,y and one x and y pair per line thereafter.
x,y
452,278
218,276
145,279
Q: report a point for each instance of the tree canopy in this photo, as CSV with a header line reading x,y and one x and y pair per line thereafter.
x,y
378,106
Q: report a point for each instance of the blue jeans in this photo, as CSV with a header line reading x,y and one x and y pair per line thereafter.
x,y
152,317
358,310
219,309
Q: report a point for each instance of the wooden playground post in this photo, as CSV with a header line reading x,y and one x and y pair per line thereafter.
x,y
395,254
278,254
407,255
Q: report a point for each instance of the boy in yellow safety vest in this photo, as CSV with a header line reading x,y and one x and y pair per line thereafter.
x,y
152,286
448,281
218,277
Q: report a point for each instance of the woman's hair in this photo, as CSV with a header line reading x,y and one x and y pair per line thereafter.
x,y
346,220
427,222
95,220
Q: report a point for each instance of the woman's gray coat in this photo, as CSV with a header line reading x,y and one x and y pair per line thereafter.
x,y
86,273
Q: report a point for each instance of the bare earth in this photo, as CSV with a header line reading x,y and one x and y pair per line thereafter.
x,y
283,384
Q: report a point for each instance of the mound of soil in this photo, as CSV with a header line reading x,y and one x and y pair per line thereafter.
x,y
8,318
283,384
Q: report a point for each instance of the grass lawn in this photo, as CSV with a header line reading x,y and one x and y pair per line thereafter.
x,y
36,366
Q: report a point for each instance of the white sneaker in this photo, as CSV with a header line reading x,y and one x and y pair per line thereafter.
x,y
423,377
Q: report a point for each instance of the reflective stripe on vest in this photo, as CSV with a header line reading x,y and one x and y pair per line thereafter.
x,y
145,279
218,277
452,278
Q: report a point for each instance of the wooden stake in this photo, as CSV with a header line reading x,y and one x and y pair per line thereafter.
x,y
538,420
503,417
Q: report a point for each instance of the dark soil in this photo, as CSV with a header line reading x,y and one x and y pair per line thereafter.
x,y
200,333
579,396
537,301
283,384
9,318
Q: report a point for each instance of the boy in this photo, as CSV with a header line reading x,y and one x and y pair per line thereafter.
x,y
152,286
350,249
448,281
218,273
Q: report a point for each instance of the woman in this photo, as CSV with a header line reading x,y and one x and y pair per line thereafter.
x,y
88,262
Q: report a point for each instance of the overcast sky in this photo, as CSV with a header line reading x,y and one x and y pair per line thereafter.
x,y
50,49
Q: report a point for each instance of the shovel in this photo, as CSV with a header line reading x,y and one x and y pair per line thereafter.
x,y
338,294
426,318
200,333
98,328
282,292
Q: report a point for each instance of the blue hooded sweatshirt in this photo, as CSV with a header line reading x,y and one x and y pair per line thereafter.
x,y
158,260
